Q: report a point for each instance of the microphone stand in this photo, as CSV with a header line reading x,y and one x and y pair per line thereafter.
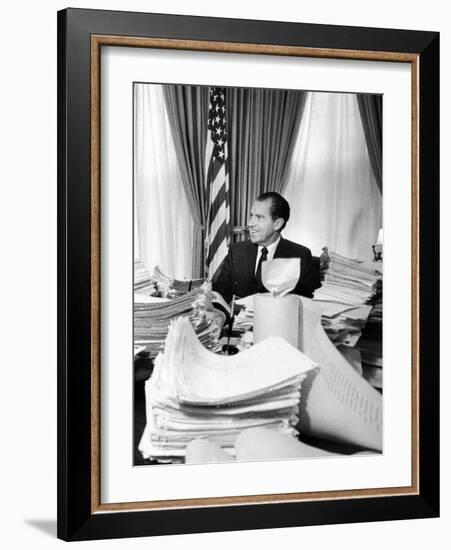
x,y
230,349
232,318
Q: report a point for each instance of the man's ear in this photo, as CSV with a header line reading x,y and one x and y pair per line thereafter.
x,y
278,224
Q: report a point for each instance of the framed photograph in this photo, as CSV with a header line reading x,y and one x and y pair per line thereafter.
x,y
248,274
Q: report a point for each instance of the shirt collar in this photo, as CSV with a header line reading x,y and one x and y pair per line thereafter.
x,y
271,247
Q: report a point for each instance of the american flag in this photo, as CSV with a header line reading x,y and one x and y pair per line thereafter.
x,y
217,183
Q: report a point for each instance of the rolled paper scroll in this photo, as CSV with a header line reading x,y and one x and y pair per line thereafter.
x,y
277,316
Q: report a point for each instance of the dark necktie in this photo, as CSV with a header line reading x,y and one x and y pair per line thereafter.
x,y
258,287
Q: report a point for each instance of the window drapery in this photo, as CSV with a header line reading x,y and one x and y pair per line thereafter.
x,y
263,125
163,225
187,108
370,108
331,187
330,183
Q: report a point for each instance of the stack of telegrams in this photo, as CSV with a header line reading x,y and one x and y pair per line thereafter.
x,y
143,282
195,393
343,323
173,288
348,281
152,317
370,346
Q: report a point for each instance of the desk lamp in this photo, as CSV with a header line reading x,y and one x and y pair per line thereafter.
x,y
377,248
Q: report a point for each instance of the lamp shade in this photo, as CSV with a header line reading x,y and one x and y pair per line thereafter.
x,y
380,237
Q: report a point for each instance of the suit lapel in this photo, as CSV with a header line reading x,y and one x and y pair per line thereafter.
x,y
281,250
250,266
284,250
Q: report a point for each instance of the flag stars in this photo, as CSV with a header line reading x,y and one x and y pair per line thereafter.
x,y
217,123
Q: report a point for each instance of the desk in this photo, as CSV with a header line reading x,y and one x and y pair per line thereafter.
x,y
143,370
340,324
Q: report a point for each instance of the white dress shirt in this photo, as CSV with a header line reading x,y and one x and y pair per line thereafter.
x,y
271,250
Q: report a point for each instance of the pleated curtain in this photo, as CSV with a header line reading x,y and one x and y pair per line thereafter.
x,y
163,232
329,178
263,126
332,190
187,109
370,108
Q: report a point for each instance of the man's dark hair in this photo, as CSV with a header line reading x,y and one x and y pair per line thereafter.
x,y
279,206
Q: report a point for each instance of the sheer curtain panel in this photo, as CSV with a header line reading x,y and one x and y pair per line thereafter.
x,y
334,198
163,224
187,108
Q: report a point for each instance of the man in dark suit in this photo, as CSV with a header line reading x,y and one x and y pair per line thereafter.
x,y
240,273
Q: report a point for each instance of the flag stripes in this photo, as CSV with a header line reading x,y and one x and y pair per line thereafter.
x,y
221,199
219,245
217,183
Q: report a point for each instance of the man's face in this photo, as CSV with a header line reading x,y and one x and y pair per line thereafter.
x,y
262,227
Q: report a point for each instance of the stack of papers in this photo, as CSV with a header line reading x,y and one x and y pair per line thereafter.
x,y
153,315
244,320
143,283
347,281
195,393
172,288
337,403
160,284
343,323
370,347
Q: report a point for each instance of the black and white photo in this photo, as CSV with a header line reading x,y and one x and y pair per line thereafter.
x,y
257,273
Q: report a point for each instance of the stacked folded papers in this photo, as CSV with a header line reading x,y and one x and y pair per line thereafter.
x,y
143,283
343,323
370,347
195,393
344,301
160,284
337,403
153,315
172,288
244,320
354,282
347,280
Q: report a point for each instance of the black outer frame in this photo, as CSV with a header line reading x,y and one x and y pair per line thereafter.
x,y
75,520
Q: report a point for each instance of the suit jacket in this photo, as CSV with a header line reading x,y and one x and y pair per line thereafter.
x,y
237,273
